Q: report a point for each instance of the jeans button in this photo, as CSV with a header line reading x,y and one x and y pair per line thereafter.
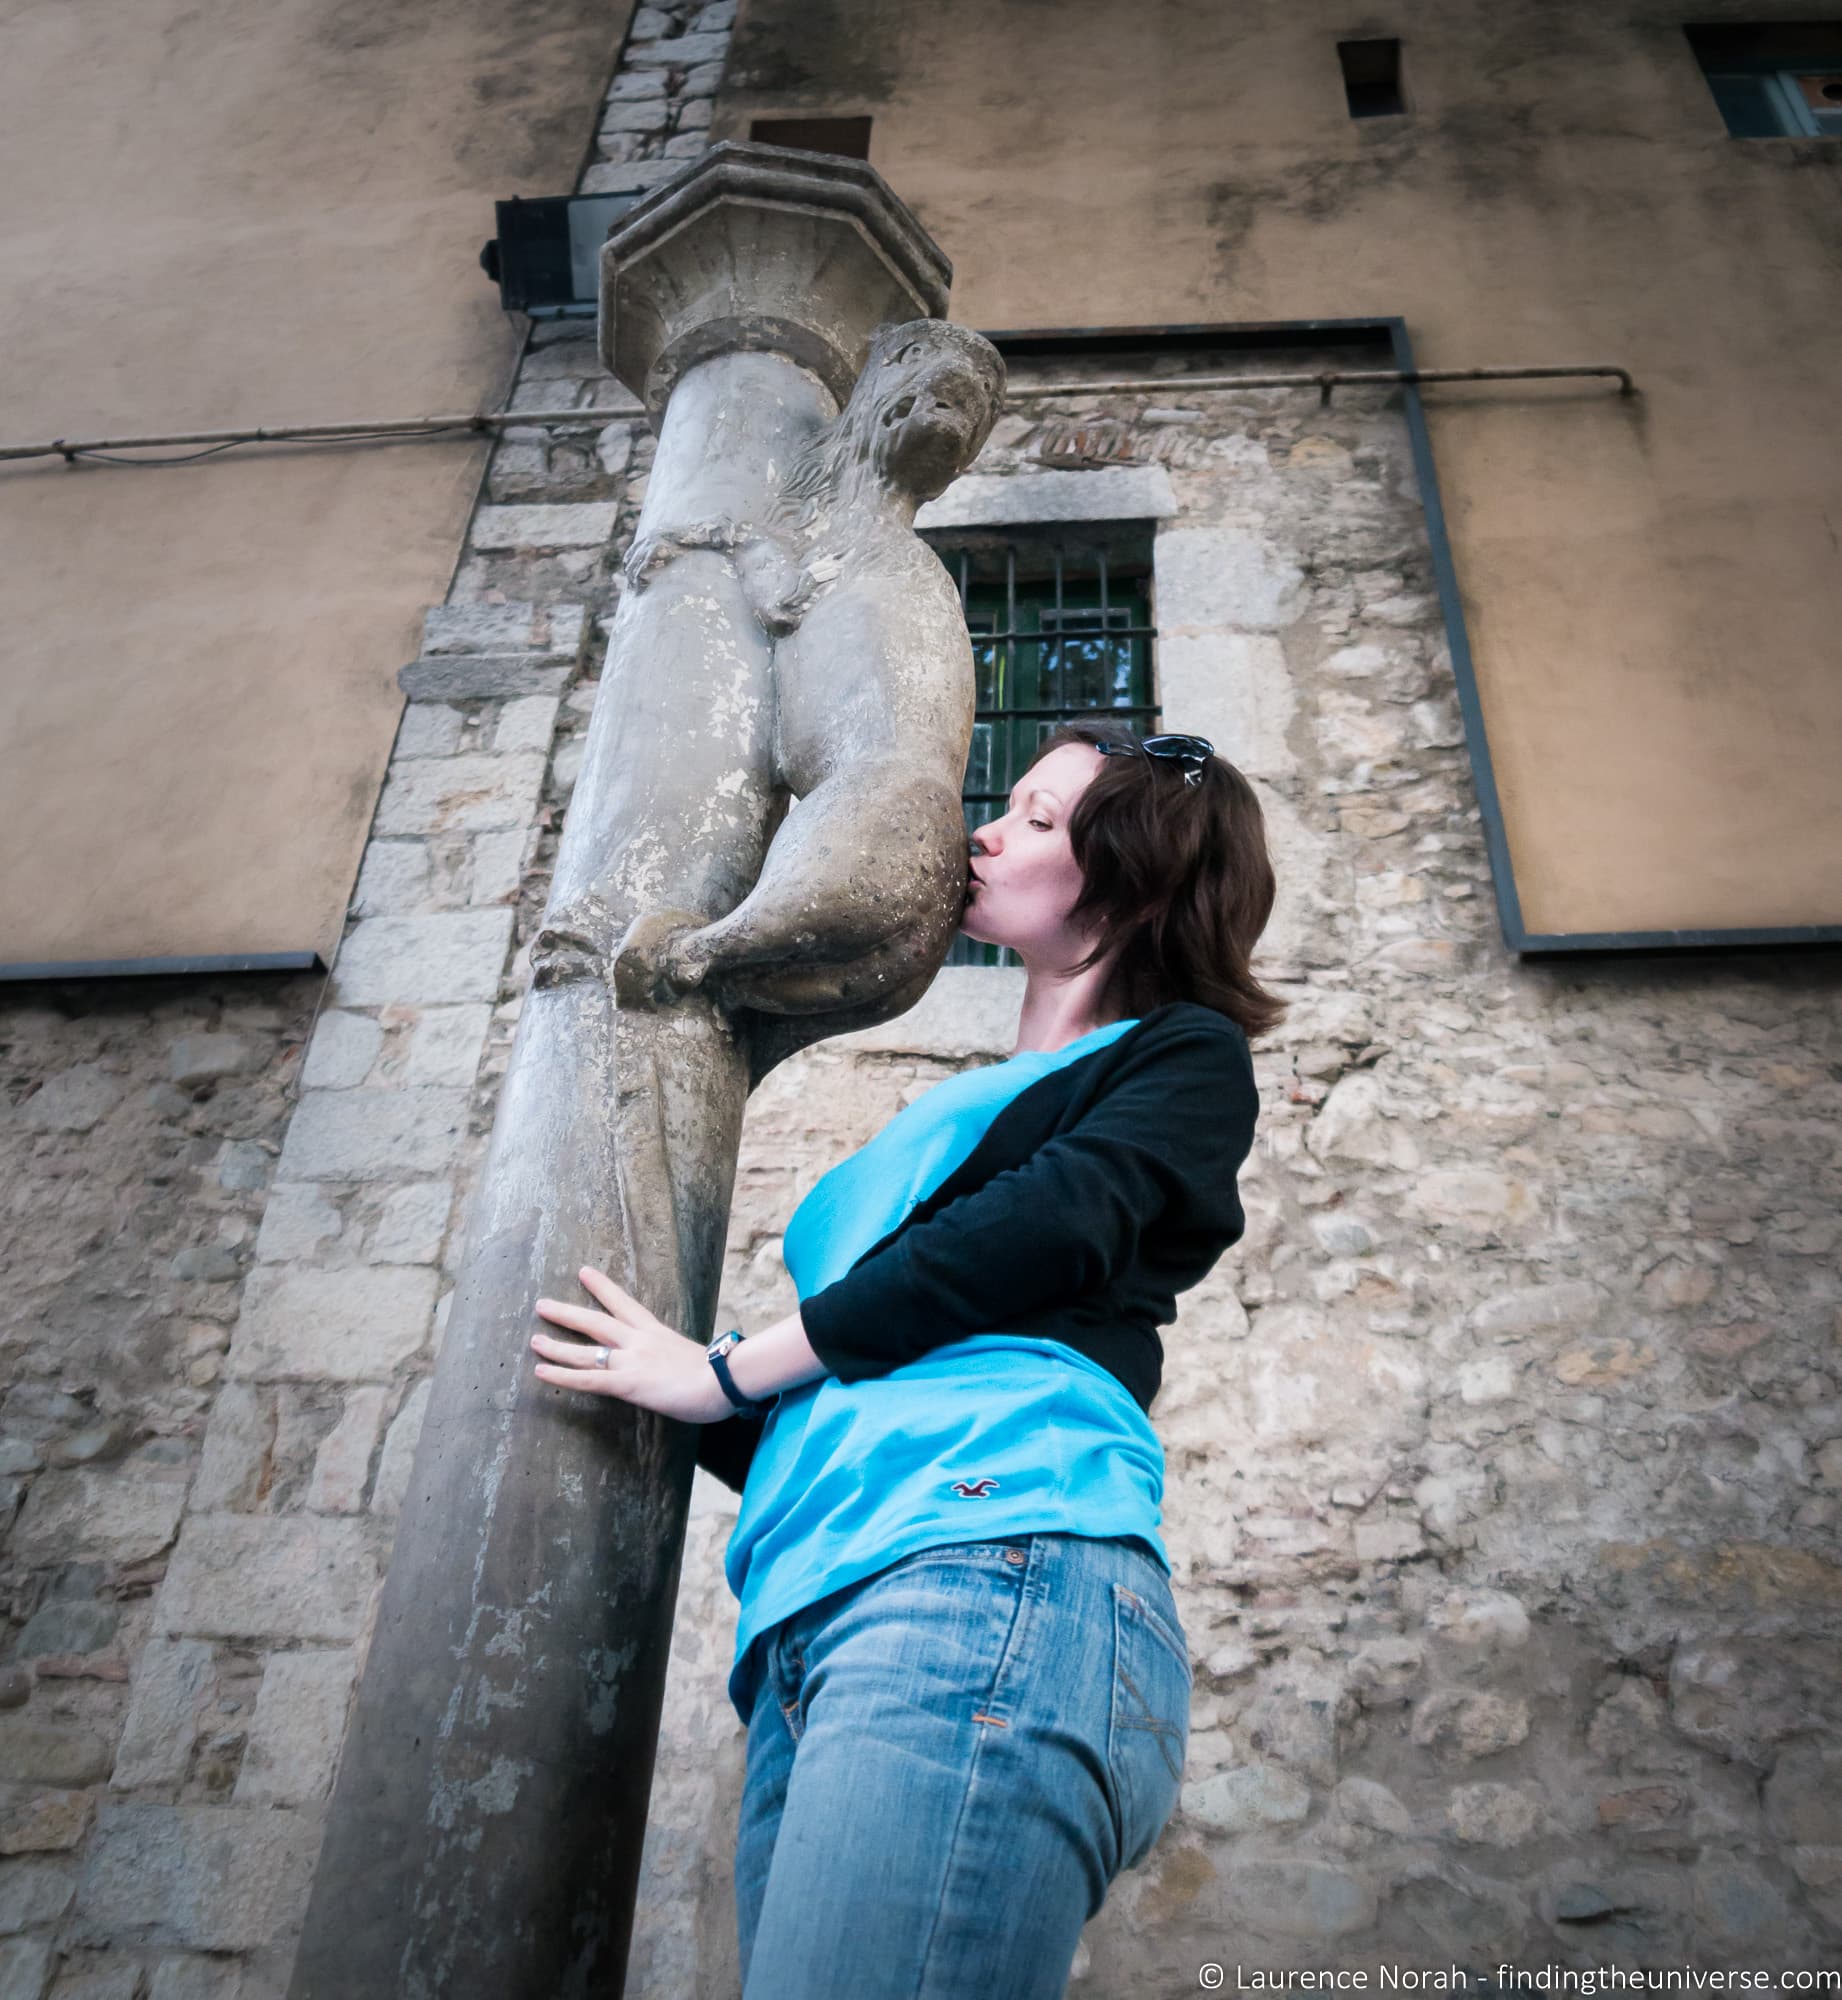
x,y
1015,1556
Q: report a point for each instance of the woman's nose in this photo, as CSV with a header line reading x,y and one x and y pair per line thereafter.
x,y
982,837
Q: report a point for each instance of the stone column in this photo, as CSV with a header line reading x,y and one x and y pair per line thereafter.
x,y
485,1835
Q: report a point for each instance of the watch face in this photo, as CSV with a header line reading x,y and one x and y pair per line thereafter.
x,y
725,1342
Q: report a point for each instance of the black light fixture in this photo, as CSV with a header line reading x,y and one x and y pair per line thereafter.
x,y
546,258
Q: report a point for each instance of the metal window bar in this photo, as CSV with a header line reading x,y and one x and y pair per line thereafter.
x,y
1063,632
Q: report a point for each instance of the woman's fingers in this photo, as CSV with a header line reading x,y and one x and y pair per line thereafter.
x,y
598,1326
599,1285
594,1381
569,1353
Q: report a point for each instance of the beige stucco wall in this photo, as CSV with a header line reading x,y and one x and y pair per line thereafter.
x,y
1652,588
245,213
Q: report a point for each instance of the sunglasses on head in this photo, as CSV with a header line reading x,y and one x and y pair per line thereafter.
x,y
1192,752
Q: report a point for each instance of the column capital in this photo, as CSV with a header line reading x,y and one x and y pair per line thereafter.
x,y
763,248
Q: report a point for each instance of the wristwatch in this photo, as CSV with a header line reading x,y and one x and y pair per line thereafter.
x,y
719,1352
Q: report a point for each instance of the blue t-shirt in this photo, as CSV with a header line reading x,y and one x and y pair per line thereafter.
x,y
850,1476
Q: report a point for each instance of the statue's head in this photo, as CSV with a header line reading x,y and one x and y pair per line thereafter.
x,y
925,403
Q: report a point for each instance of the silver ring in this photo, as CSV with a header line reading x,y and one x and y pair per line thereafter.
x,y
607,1358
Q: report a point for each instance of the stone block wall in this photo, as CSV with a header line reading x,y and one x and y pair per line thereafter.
x,y
1505,1453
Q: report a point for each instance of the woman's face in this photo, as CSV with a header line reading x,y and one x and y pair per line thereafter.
x,y
1025,879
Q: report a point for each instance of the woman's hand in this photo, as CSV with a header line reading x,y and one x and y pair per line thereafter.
x,y
634,1356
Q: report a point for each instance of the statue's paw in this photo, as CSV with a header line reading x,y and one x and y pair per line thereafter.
x,y
650,967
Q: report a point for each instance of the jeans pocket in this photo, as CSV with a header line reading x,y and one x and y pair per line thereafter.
x,y
1149,1729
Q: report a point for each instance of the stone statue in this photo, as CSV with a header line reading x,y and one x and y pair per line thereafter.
x,y
784,635
873,690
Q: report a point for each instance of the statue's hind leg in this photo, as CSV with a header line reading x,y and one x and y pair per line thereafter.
x,y
861,890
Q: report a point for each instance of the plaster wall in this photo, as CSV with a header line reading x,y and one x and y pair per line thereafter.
x,y
1652,585
239,215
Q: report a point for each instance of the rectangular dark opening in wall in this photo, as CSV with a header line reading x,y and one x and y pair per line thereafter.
x,y
1773,79
1372,78
849,137
1060,623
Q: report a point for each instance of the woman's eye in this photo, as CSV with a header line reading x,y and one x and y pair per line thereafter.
x,y
1042,823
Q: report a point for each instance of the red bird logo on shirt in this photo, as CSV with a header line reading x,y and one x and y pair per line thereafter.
x,y
975,1489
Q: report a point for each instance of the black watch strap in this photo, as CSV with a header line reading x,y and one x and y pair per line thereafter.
x,y
719,1351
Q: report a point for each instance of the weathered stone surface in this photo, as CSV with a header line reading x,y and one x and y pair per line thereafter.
x,y
1740,1697
297,1220
455,955
393,1468
393,880
1803,1796
103,1976
1735,1904
343,1048
1489,1620
1537,1309
307,1577
525,724
1252,1796
67,1628
1460,1724
585,525
360,1135
34,1892
481,676
465,794
300,1718
428,729
1363,1802
343,1462
171,1680
521,627
34,1752
414,1221
353,1325
1210,576
205,1264
188,1977
680,51
202,1059
1354,1124
25,1966
446,1045
1300,1899
107,1516
75,1100
47,1823
209,1878
1496,1815
498,866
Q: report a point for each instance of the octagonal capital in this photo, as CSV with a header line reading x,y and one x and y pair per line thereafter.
x,y
762,248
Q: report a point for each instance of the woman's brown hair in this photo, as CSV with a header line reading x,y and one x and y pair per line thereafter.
x,y
1176,875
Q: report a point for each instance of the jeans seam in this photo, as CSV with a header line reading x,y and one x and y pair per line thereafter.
x,y
1012,1642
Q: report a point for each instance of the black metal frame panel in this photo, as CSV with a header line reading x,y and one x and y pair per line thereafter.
x,y
164,968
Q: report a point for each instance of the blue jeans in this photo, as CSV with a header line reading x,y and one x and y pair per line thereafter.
x,y
948,1763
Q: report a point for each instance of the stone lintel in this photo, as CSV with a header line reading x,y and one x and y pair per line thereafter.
x,y
1001,500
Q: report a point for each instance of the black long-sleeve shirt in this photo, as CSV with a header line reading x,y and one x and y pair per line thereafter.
x,y
1097,1195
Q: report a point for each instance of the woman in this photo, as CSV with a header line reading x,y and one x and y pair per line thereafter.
x,y
964,1678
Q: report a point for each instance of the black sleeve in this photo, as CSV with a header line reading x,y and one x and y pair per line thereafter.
x,y
1169,1134
727,1448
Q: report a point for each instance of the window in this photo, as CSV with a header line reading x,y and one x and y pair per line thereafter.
x,y
1372,78
849,137
1059,628
1774,81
